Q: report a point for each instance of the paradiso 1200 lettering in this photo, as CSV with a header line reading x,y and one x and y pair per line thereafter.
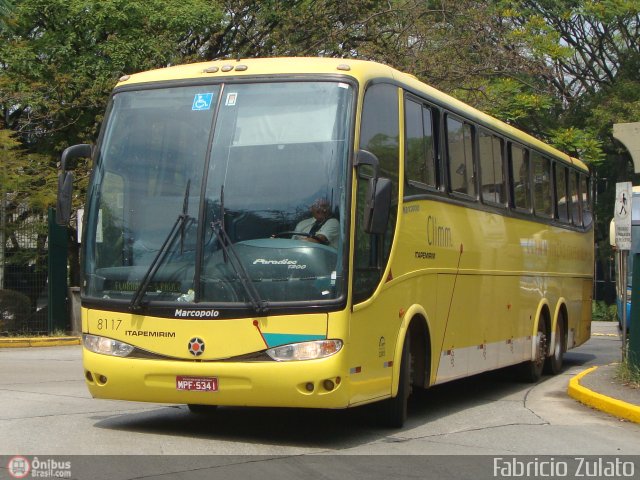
x,y
291,264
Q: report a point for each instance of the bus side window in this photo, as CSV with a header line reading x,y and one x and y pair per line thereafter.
x,y
541,185
492,169
562,199
460,157
420,159
519,177
576,217
379,134
585,196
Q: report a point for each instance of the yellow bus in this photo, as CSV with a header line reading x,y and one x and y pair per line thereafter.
x,y
320,233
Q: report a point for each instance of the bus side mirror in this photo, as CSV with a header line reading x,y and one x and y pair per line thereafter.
x,y
68,162
378,199
378,205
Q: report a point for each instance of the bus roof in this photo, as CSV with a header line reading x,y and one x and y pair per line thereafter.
x,y
361,70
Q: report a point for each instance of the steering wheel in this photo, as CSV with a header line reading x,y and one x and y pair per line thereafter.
x,y
302,234
290,234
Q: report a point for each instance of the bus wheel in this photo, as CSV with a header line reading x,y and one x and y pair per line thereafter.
x,y
394,411
553,365
202,409
531,371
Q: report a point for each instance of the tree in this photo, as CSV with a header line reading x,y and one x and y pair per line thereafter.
x,y
561,70
59,61
595,77
27,187
5,7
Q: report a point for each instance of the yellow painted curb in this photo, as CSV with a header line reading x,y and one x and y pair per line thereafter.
x,y
38,342
609,405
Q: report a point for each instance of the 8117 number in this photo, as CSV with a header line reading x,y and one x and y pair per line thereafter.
x,y
108,324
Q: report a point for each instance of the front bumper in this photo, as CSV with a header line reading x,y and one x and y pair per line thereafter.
x,y
302,384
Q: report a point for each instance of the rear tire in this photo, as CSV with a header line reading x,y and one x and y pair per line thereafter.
x,y
553,365
394,410
531,371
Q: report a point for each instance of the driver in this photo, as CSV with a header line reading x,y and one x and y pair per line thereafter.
x,y
321,227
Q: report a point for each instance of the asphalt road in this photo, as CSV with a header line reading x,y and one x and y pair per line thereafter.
x,y
46,410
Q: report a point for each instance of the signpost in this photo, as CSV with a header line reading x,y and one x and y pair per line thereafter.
x,y
628,134
622,217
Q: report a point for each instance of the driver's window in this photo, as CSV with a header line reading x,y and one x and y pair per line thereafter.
x,y
379,135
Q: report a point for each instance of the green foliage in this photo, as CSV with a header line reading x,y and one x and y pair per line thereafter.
x,y
617,103
602,312
15,309
536,35
5,8
29,178
513,101
628,374
564,71
61,58
582,144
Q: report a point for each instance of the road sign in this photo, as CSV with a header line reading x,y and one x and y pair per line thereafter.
x,y
622,215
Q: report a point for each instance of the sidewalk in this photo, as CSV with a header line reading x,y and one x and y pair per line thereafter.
x,y
22,342
598,388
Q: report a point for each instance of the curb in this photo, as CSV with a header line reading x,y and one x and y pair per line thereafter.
x,y
38,342
609,405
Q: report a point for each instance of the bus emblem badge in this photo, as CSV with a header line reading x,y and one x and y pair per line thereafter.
x,y
196,346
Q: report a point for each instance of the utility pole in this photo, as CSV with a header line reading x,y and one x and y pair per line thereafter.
x,y
3,219
629,135
3,237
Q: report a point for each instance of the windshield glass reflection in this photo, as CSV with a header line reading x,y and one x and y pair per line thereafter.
x,y
275,184
279,155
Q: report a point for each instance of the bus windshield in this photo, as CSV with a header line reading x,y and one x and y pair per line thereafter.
x,y
221,194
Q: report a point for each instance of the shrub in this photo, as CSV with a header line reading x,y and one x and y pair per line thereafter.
x,y
602,312
15,309
628,374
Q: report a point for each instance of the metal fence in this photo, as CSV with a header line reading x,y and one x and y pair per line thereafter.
x,y
23,269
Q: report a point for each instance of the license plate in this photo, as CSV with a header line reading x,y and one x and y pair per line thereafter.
x,y
197,384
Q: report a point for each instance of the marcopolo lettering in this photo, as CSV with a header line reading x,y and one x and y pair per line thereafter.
x,y
182,313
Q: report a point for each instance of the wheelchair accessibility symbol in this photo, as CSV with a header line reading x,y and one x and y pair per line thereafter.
x,y
202,101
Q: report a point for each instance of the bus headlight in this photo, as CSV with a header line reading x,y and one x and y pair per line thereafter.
x,y
305,350
106,346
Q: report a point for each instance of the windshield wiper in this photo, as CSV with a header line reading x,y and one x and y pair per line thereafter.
x,y
178,226
230,253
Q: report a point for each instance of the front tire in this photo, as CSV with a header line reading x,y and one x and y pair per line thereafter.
x,y
394,409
